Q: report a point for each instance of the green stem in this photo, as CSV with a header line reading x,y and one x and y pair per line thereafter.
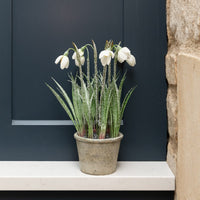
x,y
90,130
103,81
109,73
102,133
82,133
67,52
81,74
117,48
115,65
102,92
89,46
96,81
88,67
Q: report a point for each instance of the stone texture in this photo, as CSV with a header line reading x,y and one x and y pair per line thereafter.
x,y
183,21
172,111
188,160
171,68
183,107
172,155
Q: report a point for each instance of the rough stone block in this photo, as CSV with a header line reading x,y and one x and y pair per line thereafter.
x,y
170,61
183,21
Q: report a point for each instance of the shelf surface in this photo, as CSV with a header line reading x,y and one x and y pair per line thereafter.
x,y
66,176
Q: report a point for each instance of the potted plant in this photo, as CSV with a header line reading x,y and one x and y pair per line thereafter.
x,y
95,108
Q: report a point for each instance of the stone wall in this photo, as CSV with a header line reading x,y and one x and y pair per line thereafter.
x,y
183,29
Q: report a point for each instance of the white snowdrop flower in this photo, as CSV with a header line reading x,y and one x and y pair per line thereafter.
x,y
131,61
64,61
105,56
82,58
123,54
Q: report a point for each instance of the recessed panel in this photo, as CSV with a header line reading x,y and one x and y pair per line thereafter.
x,y
43,30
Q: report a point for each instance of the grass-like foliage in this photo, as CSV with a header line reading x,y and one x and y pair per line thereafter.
x,y
96,107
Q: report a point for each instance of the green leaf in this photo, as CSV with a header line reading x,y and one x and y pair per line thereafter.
x,y
77,102
121,84
125,101
60,100
66,97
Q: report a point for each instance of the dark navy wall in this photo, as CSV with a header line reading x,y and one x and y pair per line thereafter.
x,y
32,34
145,120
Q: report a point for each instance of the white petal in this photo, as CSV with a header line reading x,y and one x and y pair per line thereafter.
x,y
77,63
58,59
81,52
121,57
108,52
74,56
82,59
105,56
131,61
102,53
125,50
64,62
104,60
123,54
108,60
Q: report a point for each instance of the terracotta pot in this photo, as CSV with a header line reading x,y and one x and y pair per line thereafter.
x,y
98,156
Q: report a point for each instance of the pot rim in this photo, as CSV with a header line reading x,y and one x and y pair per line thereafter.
x,y
98,141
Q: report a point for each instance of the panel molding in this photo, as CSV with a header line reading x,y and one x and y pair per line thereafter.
x,y
44,123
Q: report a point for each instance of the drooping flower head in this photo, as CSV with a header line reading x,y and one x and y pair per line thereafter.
x,y
63,60
105,56
82,58
124,54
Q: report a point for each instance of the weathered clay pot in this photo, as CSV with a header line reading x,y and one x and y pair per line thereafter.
x,y
98,156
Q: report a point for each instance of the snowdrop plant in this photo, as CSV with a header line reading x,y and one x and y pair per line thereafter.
x,y
96,107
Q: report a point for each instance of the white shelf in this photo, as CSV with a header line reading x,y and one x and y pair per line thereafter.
x,y
53,175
